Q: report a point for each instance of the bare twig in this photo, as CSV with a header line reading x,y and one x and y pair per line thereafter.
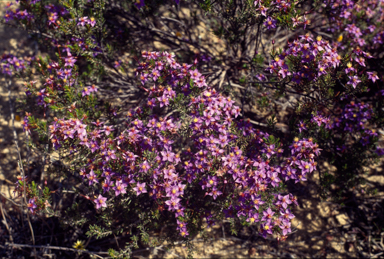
x,y
8,199
377,255
6,223
20,162
59,248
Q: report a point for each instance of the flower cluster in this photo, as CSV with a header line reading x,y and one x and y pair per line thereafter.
x,y
353,119
358,20
85,20
269,9
146,157
312,59
10,64
17,14
355,116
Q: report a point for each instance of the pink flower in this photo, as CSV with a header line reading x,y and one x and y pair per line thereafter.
x,y
69,61
286,227
85,92
92,21
100,202
120,188
107,130
92,177
83,21
360,60
168,156
354,81
373,76
140,188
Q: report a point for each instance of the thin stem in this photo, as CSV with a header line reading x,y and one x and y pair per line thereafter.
x,y
6,223
20,162
60,248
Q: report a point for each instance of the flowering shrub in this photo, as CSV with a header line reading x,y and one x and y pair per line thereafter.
x,y
184,160
185,154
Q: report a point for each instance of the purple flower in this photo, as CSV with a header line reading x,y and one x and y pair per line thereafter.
x,y
82,173
183,232
195,75
354,30
139,3
302,126
380,151
295,21
261,77
306,21
107,184
257,202
353,80
274,179
117,64
32,205
93,88
270,23
52,18
173,203
373,76
9,15
92,177
266,228
263,10
83,21
168,156
155,74
85,92
181,224
143,78
80,128
140,188
144,167
287,215
120,188
306,167
179,212
214,193
92,21
163,100
267,215
70,61
285,227
253,217
100,202
107,130
360,60
283,201
94,146
172,191
110,154
270,151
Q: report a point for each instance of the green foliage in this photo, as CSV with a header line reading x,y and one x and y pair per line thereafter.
x,y
98,232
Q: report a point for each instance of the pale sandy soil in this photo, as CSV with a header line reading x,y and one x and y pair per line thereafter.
x,y
12,41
